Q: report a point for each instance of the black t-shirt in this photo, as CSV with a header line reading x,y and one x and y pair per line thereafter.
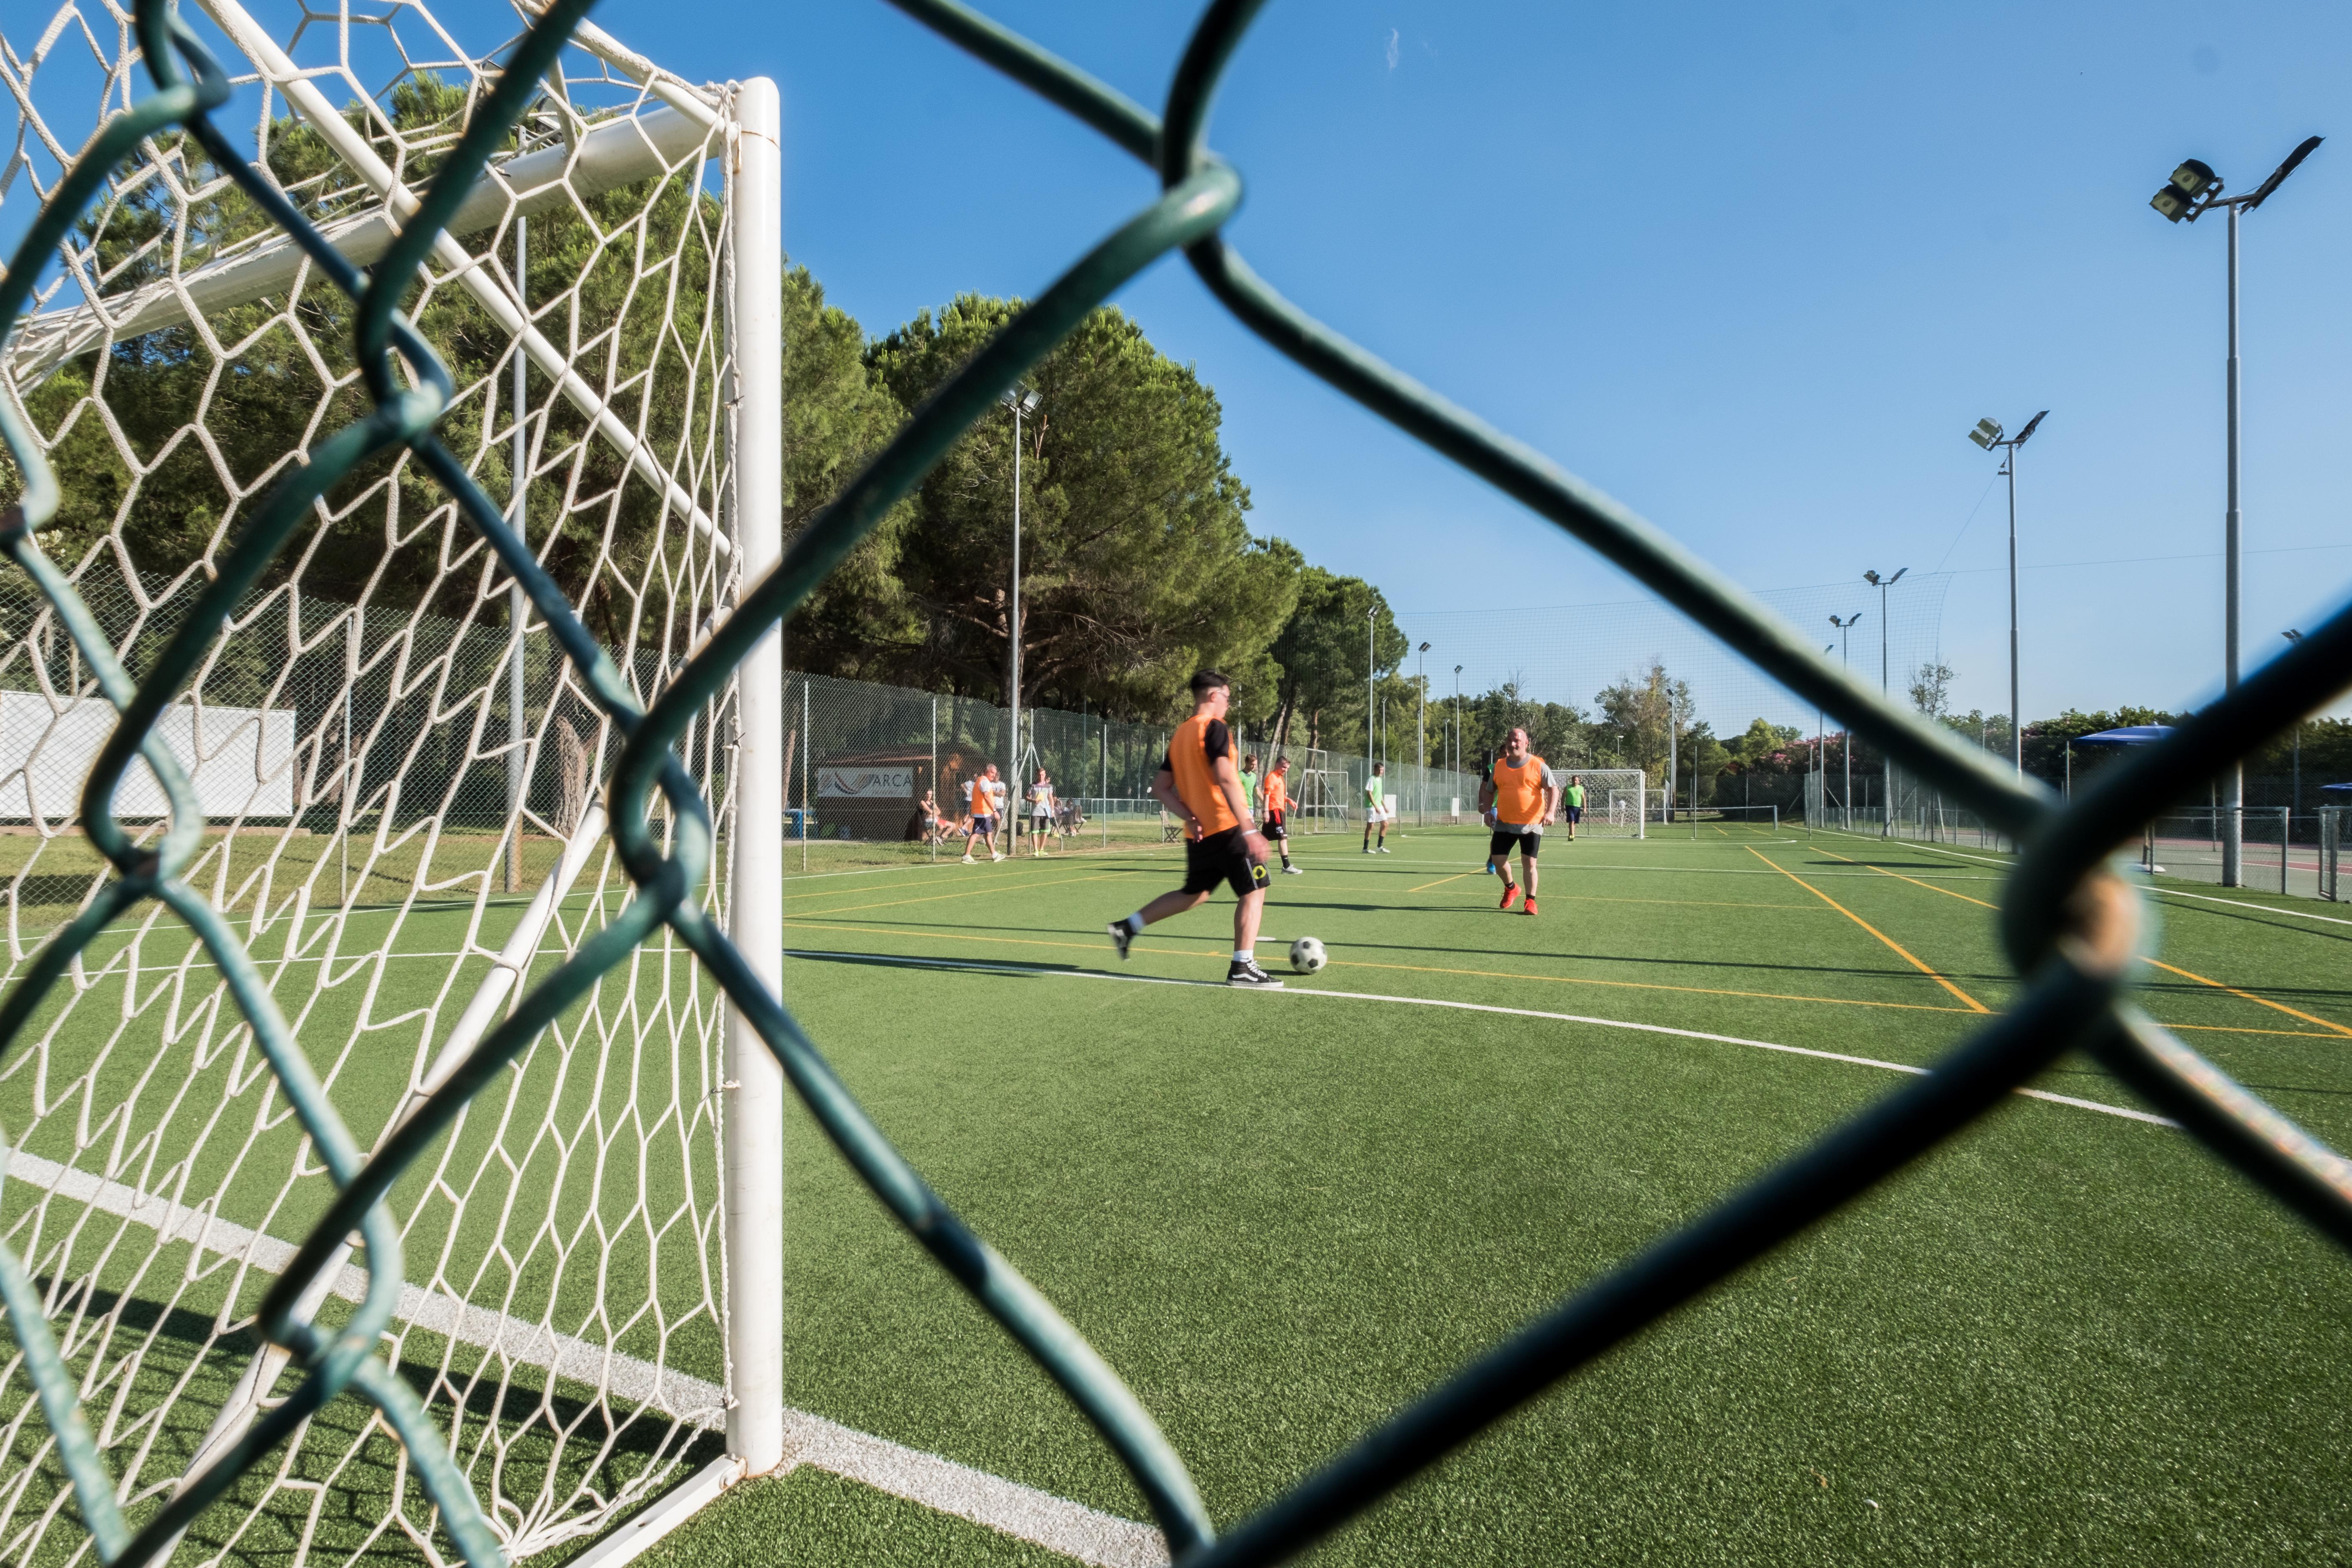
x,y
1217,741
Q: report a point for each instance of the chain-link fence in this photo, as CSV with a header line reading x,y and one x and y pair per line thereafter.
x,y
2071,930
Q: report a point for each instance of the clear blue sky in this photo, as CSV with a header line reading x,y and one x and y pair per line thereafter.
x,y
1754,269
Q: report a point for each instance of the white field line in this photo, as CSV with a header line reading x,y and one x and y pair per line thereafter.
x,y
2100,1106
1024,1512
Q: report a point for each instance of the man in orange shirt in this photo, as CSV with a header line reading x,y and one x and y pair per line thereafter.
x,y
1519,795
1278,811
1200,786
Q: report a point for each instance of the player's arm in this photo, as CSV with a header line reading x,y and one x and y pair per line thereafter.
x,y
1551,802
1163,789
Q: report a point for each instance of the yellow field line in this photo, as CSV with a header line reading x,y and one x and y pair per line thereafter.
x,y
973,893
1443,880
1974,1006
2185,974
2279,1007
1914,881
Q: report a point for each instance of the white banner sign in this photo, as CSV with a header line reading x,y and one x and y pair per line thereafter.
x,y
868,784
241,760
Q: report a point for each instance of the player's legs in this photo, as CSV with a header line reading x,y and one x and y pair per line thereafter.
x,y
1529,845
1248,911
1499,861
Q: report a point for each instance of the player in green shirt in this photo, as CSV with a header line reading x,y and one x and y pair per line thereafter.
x,y
1571,802
1249,785
1377,814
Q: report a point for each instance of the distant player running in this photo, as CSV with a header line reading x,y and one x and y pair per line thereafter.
x,y
1378,813
1274,817
1572,804
1199,784
1522,794
985,792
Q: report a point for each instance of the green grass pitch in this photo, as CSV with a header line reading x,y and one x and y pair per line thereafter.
x,y
2069,1336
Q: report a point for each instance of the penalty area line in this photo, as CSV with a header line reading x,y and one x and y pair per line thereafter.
x,y
982,966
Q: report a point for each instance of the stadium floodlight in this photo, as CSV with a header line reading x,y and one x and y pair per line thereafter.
x,y
1988,434
2177,197
1887,819
2196,190
1022,401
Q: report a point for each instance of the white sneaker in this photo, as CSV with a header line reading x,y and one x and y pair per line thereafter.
x,y
1292,871
1383,849
994,856
969,861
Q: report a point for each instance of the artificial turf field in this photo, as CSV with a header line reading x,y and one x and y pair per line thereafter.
x,y
2069,1336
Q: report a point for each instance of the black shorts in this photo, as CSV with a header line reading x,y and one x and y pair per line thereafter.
x,y
1222,857
1273,827
985,826
1529,844
1575,813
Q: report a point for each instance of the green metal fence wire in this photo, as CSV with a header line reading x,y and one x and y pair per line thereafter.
x,y
2071,926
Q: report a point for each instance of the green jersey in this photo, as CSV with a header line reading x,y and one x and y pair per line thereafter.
x,y
1576,795
1249,790
1372,796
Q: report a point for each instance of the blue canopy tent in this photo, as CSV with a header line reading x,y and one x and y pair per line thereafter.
x,y
2129,735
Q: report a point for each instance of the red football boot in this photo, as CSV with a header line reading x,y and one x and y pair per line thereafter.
x,y
1510,891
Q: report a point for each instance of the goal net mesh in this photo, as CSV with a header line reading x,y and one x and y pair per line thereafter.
x,y
399,778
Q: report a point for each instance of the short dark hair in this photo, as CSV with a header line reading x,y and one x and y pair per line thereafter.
x,y
1378,767
1208,680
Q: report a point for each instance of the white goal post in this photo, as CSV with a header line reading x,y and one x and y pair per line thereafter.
x,y
403,781
1617,801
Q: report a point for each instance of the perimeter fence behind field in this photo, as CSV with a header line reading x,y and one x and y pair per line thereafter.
x,y
861,757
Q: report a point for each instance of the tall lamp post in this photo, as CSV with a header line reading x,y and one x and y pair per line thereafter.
x,y
1988,434
1886,817
1421,730
1845,627
1371,704
2193,191
1020,402
2294,799
1457,725
1821,759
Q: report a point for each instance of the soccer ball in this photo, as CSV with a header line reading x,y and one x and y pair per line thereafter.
x,y
1306,955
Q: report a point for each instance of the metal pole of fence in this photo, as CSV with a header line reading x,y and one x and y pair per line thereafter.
x,y
518,612
754,1107
934,785
2287,834
808,744
350,775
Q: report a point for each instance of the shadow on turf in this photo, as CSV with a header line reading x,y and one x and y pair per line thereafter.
x,y
914,927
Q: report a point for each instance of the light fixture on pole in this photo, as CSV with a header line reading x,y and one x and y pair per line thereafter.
x,y
1988,434
2193,191
1020,402
1886,764
1845,627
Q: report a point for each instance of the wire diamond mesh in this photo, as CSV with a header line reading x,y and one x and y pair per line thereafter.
x,y
2070,929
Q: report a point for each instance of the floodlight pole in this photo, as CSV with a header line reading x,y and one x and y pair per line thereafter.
x,y
1015,402
1421,730
1371,703
2193,191
1843,626
1887,763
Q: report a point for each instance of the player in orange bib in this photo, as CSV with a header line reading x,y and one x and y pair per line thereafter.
x,y
1275,818
1520,794
1198,782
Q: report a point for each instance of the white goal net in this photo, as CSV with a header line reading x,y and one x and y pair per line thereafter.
x,y
399,779
1616,801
